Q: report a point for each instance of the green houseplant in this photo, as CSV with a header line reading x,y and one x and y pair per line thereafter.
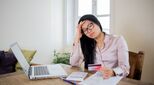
x,y
61,58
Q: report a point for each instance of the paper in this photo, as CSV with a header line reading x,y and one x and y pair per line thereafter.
x,y
97,79
77,76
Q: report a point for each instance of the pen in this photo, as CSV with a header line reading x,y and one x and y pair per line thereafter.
x,y
71,82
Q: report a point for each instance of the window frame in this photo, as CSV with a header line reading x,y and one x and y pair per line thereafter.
x,y
94,12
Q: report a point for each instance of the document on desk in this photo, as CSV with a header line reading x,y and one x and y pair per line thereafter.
x,y
97,79
77,76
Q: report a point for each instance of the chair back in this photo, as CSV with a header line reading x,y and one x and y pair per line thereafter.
x,y
136,64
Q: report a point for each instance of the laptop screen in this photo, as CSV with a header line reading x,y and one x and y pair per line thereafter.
x,y
20,57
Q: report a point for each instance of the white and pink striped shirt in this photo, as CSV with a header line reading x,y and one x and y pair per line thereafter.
x,y
114,55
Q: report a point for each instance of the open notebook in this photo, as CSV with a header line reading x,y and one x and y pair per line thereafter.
x,y
37,72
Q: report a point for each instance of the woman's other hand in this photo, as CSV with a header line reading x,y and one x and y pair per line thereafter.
x,y
107,72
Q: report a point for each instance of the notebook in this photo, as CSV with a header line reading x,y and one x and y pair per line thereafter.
x,y
40,71
77,76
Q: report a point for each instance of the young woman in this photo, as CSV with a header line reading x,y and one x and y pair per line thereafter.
x,y
93,46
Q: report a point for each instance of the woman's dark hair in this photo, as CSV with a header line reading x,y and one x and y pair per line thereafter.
x,y
88,45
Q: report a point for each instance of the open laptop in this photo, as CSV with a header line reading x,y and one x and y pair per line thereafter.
x,y
40,71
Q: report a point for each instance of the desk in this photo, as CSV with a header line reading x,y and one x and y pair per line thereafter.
x,y
19,78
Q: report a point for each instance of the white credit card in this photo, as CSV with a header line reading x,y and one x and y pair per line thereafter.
x,y
94,67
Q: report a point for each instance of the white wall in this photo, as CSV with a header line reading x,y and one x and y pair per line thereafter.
x,y
134,19
69,21
34,24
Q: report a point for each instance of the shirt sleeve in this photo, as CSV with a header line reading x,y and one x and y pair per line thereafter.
x,y
76,57
123,59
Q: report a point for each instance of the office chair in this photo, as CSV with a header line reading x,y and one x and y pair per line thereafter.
x,y
136,64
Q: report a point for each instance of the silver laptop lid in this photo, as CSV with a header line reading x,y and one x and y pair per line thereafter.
x,y
20,57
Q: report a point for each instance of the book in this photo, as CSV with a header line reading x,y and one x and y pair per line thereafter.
x,y
77,76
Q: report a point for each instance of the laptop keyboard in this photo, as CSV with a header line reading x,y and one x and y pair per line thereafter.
x,y
41,70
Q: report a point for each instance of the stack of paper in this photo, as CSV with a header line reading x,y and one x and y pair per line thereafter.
x,y
97,79
77,76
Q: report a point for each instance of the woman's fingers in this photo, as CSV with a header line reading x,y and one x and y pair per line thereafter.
x,y
107,73
78,32
105,76
80,24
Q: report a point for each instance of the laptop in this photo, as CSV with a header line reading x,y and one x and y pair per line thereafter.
x,y
40,71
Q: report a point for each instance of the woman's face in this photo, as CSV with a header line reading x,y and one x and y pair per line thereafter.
x,y
91,29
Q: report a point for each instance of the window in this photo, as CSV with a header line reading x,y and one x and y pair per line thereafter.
x,y
99,8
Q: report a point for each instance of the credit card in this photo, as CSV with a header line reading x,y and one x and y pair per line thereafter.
x,y
94,67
